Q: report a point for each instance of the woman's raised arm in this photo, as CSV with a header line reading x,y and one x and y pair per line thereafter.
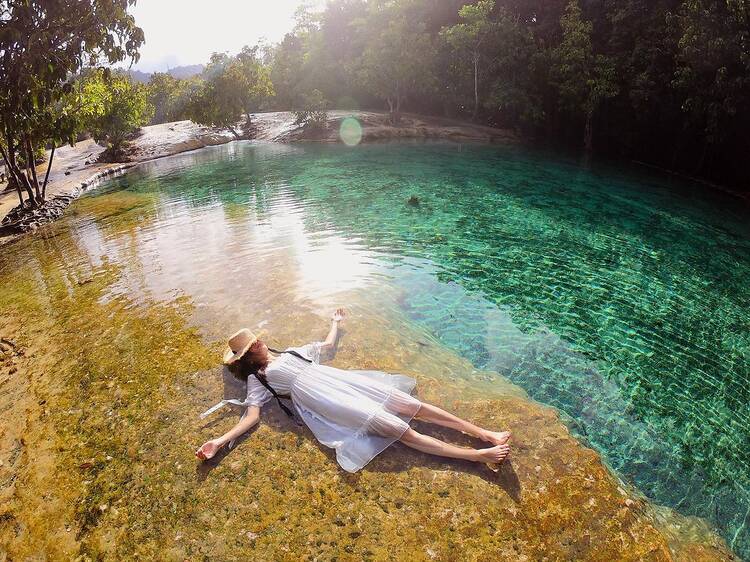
x,y
210,448
330,340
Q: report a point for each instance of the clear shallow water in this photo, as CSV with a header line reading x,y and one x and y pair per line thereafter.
x,y
619,299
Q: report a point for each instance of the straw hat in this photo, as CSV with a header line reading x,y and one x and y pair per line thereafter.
x,y
239,343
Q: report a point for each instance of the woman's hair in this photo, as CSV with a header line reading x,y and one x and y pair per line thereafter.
x,y
250,363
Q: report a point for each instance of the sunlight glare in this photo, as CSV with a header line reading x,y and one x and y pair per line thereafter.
x,y
350,131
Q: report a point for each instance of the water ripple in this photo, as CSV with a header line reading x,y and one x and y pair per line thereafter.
x,y
605,294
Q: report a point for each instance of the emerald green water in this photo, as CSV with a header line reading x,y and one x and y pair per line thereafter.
x,y
621,299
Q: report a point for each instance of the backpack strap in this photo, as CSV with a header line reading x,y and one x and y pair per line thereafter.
x,y
293,353
264,382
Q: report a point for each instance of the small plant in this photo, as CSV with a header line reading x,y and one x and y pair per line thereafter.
x,y
313,114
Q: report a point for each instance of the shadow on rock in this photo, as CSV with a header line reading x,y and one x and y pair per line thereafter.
x,y
399,458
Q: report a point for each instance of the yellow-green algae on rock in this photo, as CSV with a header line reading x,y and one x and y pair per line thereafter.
x,y
100,392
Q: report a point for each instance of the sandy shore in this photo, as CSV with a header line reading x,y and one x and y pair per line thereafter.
x,y
76,168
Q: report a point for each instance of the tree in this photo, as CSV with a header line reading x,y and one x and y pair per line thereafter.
x,y
584,79
713,66
232,86
397,62
167,95
42,46
287,70
473,37
646,111
124,108
301,61
218,100
256,87
514,93
334,51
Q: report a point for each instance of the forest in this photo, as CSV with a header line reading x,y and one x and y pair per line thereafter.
x,y
666,82
663,82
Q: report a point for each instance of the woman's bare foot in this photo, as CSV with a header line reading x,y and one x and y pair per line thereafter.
x,y
496,437
493,454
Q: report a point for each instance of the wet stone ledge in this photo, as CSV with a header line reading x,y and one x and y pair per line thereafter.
x,y
27,218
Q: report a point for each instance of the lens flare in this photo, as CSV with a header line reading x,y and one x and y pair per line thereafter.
x,y
350,131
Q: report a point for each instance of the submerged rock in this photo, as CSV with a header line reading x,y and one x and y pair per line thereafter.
x,y
97,442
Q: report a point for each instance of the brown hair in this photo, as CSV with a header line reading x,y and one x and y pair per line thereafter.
x,y
251,362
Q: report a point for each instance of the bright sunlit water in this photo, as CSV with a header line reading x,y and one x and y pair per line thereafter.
x,y
621,299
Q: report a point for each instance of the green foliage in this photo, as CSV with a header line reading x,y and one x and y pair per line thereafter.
x,y
398,58
287,70
583,78
231,86
169,96
220,96
713,63
118,108
472,38
256,87
43,45
661,81
514,93
667,82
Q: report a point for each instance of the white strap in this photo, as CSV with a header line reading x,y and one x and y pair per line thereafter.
x,y
223,403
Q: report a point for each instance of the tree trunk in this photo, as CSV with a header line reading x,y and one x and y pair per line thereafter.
x,y
676,153
588,132
231,130
395,111
702,159
12,174
32,165
46,176
476,87
20,176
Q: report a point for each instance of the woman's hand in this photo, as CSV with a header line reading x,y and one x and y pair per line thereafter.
x,y
208,449
338,315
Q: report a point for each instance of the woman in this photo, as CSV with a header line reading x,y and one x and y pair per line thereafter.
x,y
358,413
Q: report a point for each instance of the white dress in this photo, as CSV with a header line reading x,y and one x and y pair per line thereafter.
x,y
358,413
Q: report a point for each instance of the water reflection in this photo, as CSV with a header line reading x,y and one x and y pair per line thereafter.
x,y
617,302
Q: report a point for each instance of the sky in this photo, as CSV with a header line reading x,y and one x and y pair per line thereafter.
x,y
181,32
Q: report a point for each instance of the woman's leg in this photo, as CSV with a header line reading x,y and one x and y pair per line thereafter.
x,y
436,415
428,444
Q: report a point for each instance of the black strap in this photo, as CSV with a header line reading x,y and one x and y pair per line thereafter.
x,y
293,353
278,397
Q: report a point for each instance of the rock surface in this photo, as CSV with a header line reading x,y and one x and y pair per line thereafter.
x,y
100,390
100,396
376,126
